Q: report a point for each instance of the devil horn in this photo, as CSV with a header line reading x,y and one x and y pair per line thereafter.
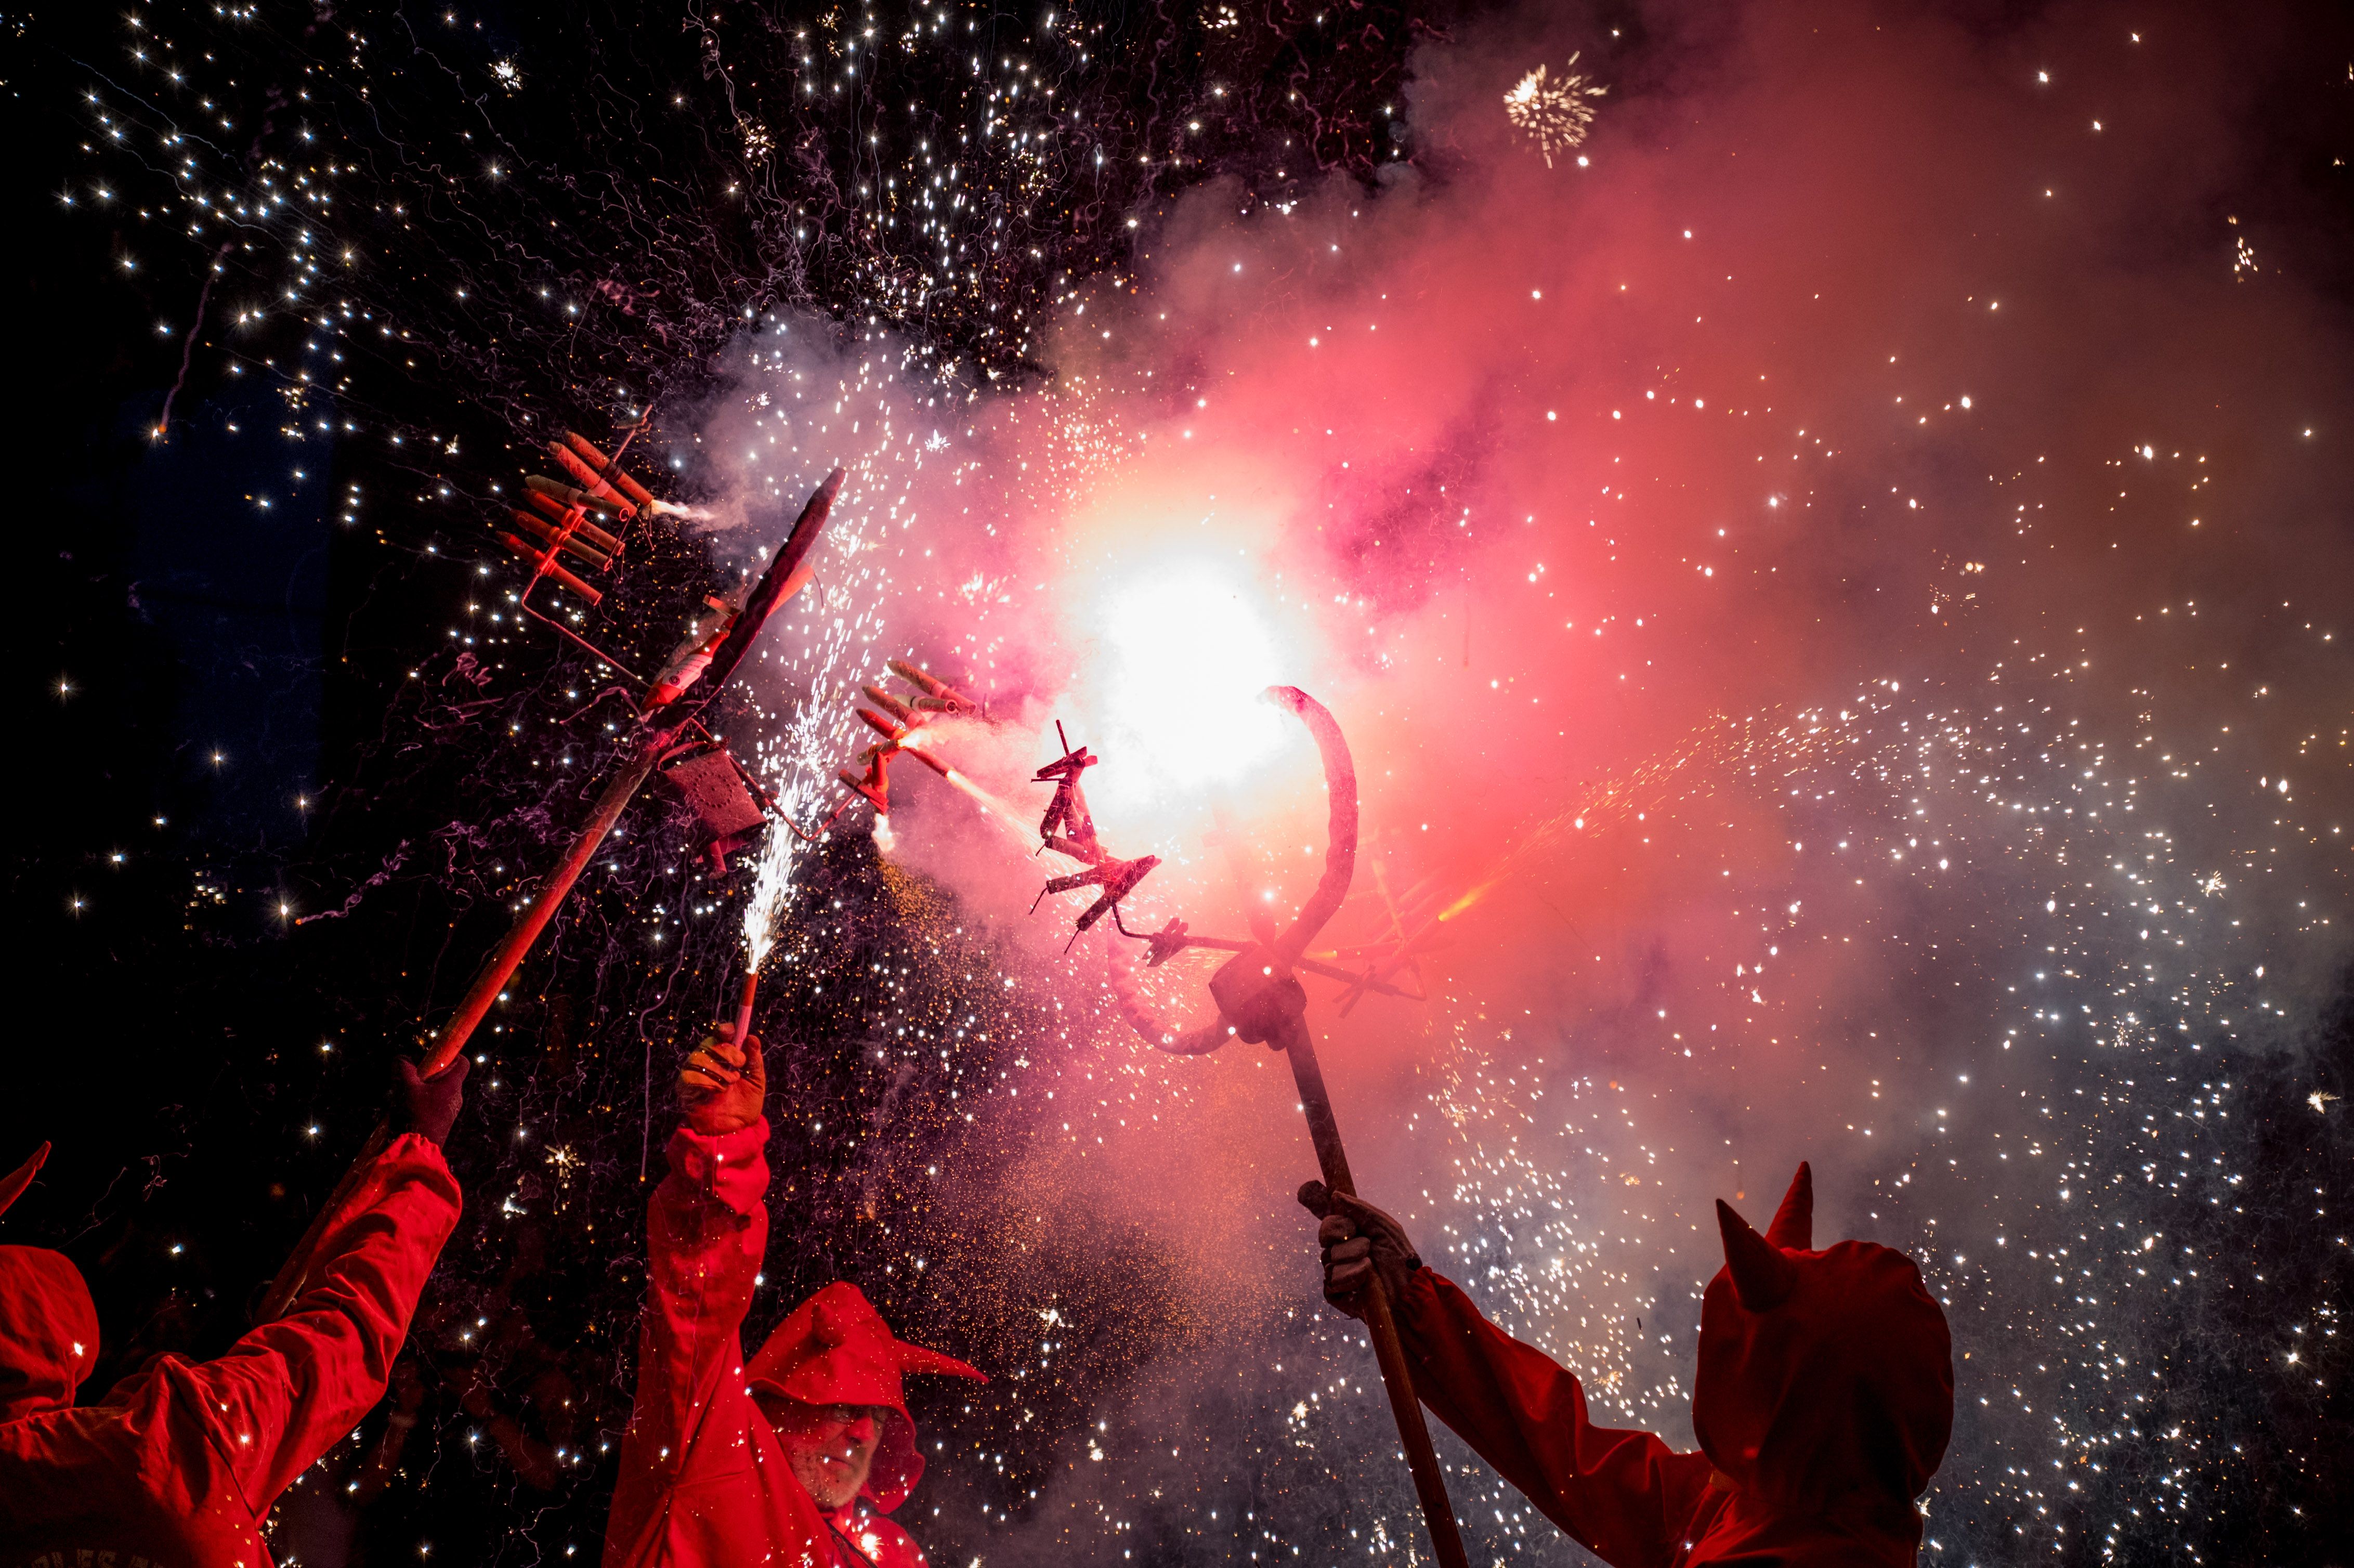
x,y
1762,1278
916,1359
1794,1222
13,1185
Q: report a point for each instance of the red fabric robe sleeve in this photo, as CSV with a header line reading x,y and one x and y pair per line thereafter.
x,y
181,1462
1626,1496
707,1232
292,1389
703,1482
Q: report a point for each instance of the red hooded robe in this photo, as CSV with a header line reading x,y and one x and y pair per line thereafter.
x,y
178,1465
705,1482
1824,1398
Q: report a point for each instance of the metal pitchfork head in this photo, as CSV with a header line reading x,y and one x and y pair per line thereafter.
x,y
1260,998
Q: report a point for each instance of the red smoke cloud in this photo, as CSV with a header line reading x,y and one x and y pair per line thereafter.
x,y
1773,574
1837,363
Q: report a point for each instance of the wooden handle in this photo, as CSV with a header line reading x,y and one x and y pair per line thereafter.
x,y
1397,1381
1381,1323
509,955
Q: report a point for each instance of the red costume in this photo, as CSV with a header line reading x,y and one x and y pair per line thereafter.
x,y
705,1482
1823,1402
180,1464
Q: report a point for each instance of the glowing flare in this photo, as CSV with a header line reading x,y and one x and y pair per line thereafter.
x,y
1189,647
995,810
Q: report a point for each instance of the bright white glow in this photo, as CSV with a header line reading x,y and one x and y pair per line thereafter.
x,y
1188,644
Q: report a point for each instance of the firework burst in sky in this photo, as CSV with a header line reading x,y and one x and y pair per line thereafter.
x,y
1555,115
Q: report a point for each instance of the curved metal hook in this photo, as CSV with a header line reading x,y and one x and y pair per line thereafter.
x,y
1339,869
1156,1031
1341,831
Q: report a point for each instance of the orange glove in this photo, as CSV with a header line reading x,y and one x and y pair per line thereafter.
x,y
720,1089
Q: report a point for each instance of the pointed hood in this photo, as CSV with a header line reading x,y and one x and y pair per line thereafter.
x,y
1793,1229
835,1349
1761,1274
1826,1379
48,1331
48,1325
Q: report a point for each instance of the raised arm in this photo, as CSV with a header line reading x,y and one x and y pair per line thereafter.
x,y
292,1388
1624,1494
706,1232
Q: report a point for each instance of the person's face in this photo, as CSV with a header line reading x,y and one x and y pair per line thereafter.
x,y
831,1448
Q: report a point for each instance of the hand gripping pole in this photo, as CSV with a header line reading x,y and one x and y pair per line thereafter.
x,y
1261,1001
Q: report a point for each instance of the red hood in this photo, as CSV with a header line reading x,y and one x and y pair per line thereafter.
x,y
48,1331
835,1349
1826,1379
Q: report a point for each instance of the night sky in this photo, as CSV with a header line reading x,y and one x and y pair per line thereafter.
x,y
1834,573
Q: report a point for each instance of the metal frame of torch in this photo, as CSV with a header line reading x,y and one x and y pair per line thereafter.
x,y
783,577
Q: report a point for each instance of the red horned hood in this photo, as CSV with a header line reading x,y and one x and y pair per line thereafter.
x,y
48,1326
835,1349
1826,1379
48,1331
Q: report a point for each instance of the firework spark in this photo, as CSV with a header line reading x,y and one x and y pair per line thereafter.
x,y
1554,114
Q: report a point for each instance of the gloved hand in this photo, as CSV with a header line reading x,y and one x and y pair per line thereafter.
x,y
1360,1241
427,1106
721,1089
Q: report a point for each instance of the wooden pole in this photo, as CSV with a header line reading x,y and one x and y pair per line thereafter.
x,y
1261,1001
1381,1323
509,955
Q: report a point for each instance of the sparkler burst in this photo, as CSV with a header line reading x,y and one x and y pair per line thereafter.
x,y
1555,115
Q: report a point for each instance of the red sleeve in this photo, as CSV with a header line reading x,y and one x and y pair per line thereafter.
x,y
706,1232
1624,1496
292,1389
